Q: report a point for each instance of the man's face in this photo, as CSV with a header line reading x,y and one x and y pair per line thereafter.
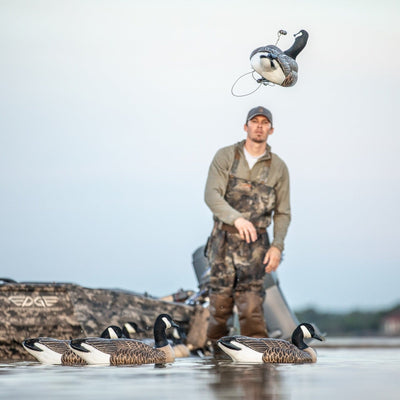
x,y
258,129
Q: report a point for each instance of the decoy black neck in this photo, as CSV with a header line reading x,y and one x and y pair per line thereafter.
x,y
160,337
297,339
298,45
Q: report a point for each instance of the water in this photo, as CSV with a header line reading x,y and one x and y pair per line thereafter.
x,y
340,373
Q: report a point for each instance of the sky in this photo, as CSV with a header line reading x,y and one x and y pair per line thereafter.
x,y
111,112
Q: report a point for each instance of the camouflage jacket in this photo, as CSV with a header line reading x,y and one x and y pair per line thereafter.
x,y
277,177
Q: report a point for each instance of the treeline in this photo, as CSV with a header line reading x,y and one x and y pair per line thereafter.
x,y
357,323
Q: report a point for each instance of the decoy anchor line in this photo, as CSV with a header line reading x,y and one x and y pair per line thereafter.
x,y
260,81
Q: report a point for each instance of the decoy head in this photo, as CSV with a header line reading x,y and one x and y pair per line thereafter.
x,y
130,329
31,344
165,320
298,45
178,335
112,332
304,331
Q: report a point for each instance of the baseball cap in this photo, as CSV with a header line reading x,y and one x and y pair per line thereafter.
x,y
259,111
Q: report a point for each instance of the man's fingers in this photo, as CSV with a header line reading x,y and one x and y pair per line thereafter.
x,y
247,234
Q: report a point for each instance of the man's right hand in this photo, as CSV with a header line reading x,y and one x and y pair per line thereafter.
x,y
246,229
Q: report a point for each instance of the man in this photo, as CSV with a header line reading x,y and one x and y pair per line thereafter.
x,y
247,185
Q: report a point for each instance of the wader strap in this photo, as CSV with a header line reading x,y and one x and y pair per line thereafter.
x,y
235,162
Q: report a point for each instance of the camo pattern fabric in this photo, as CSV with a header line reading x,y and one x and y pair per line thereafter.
x,y
236,266
67,311
253,199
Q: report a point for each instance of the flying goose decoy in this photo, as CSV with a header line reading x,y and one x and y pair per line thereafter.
x,y
267,350
55,351
128,351
276,66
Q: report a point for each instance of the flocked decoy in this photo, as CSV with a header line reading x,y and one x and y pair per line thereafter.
x,y
128,351
268,350
277,66
56,351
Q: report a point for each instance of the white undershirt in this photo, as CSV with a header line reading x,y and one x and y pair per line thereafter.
x,y
251,160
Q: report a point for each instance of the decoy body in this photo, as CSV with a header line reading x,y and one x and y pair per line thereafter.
x,y
276,66
54,351
267,350
128,351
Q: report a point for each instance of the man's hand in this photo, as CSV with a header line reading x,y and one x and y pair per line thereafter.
x,y
246,229
272,259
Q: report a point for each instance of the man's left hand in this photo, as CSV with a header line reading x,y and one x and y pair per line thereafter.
x,y
272,259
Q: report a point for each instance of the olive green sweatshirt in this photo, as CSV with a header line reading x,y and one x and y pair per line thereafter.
x,y
278,178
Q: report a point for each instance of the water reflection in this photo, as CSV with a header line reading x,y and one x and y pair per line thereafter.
x,y
246,381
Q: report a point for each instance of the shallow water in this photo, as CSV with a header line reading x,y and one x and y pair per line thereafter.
x,y
340,373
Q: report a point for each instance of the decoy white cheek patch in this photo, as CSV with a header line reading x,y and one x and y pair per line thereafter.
x,y
130,328
306,332
175,334
166,322
112,333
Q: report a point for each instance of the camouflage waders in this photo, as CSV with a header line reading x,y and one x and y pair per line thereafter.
x,y
237,269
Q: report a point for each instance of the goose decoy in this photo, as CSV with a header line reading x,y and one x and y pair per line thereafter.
x,y
276,66
55,351
128,351
267,350
131,329
180,349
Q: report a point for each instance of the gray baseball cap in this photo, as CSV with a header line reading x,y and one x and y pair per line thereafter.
x,y
259,111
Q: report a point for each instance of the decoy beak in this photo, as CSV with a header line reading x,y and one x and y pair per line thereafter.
x,y
320,338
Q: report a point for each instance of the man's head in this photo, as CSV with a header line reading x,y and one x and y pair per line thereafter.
x,y
258,125
259,111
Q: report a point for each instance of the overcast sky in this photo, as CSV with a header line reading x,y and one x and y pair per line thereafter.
x,y
111,112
